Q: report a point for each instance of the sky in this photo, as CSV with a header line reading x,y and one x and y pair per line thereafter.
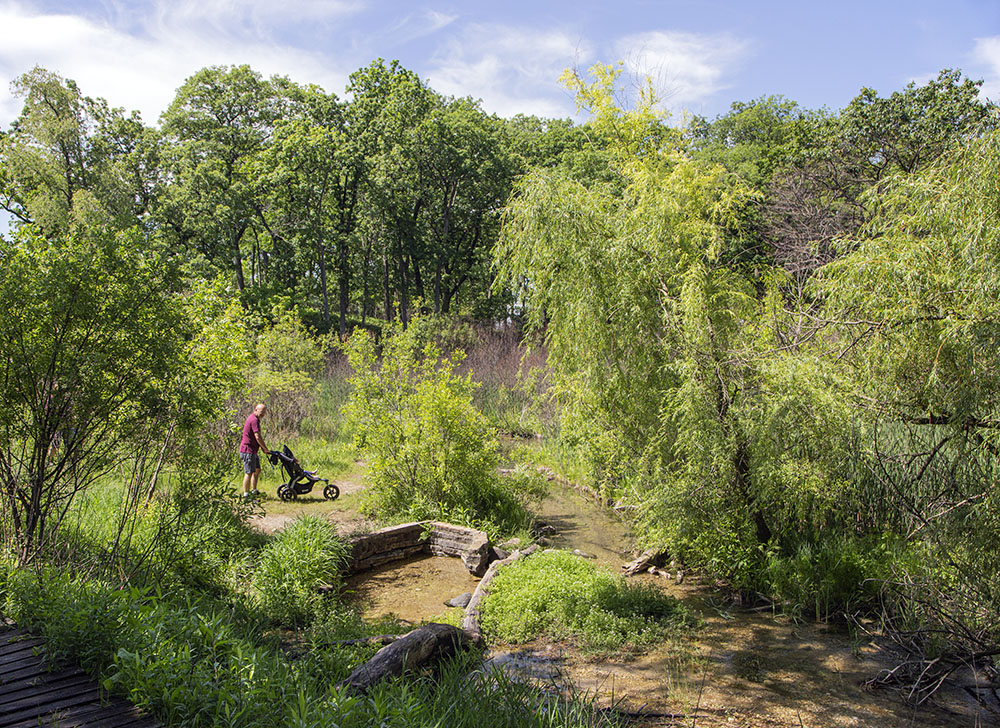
x,y
702,54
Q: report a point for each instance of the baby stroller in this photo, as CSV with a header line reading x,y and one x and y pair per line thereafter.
x,y
300,481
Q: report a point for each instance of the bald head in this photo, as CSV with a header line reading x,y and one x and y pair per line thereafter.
x,y
260,409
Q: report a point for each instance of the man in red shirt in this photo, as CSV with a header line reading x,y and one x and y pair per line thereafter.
x,y
251,442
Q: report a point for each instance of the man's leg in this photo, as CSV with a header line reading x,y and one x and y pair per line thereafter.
x,y
253,481
247,478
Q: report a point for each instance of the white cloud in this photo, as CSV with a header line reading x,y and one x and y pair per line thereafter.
x,y
686,68
140,60
413,26
256,12
439,20
517,69
987,53
513,70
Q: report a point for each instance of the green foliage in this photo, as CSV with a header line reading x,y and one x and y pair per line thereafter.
x,y
833,578
289,358
90,354
71,161
647,327
458,698
192,664
302,557
563,596
186,663
430,453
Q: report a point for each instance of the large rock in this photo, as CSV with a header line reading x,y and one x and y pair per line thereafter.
x,y
412,539
461,601
470,545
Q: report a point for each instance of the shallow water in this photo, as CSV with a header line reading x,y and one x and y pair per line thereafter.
x,y
581,524
414,590
741,668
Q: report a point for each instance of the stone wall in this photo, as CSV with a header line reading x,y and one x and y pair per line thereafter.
x,y
423,537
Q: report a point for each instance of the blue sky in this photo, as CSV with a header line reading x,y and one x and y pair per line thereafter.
x,y
702,54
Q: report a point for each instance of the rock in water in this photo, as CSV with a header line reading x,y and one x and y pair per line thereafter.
x,y
461,601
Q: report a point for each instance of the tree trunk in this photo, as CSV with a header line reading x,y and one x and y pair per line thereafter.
x,y
386,289
418,280
429,644
238,265
404,299
437,289
344,282
321,250
365,267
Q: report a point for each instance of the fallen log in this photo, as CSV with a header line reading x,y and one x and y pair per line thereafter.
x,y
470,623
650,557
425,645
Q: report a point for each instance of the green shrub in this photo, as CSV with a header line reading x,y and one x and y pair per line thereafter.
x,y
300,558
196,665
430,453
564,596
459,695
289,359
826,579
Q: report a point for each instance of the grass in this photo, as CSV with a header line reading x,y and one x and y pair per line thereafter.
x,y
562,596
194,639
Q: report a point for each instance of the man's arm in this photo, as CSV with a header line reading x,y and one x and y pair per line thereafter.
x,y
260,439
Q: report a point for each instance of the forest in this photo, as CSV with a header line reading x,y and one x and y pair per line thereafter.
x,y
770,341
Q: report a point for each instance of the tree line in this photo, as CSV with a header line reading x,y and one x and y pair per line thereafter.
x,y
341,209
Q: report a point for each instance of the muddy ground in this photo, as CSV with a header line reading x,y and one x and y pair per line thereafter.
x,y
739,668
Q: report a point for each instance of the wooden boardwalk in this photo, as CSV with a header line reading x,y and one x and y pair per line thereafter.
x,y
35,693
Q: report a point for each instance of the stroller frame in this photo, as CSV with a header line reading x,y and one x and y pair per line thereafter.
x,y
300,481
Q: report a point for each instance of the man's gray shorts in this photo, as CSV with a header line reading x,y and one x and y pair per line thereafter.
x,y
251,463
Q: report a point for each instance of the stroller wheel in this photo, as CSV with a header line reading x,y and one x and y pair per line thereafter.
x,y
331,492
286,492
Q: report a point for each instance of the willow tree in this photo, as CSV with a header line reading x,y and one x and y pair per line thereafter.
x,y
646,326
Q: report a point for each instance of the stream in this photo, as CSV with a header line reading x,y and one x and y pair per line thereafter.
x,y
740,668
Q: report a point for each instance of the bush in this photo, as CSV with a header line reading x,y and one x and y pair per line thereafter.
x,y
300,558
195,665
563,596
290,357
430,453
832,577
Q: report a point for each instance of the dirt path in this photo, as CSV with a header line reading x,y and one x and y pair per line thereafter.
x,y
275,514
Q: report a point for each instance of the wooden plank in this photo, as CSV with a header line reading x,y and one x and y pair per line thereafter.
x,y
20,643
16,665
41,691
40,679
35,670
14,634
118,714
121,715
31,706
12,650
32,693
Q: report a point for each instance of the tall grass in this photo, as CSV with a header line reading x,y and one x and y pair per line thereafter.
x,y
293,565
200,663
563,596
